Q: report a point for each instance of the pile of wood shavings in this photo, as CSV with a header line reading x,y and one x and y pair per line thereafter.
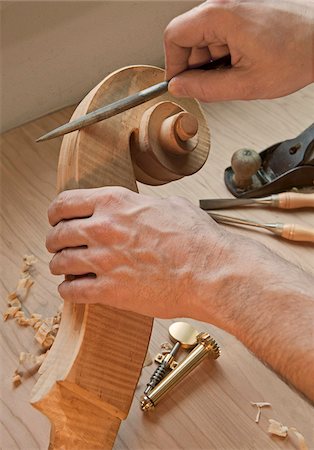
x,y
46,328
277,428
281,430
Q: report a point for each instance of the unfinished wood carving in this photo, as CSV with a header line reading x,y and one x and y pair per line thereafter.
x,y
88,379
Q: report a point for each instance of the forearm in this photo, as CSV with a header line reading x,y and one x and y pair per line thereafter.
x,y
268,304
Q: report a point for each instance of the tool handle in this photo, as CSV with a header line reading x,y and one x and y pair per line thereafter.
x,y
295,232
293,200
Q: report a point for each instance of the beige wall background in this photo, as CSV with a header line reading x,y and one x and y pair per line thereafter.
x,y
54,52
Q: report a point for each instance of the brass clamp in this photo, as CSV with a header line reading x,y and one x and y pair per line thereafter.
x,y
204,346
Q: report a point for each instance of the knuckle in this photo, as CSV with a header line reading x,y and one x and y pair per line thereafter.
x,y
57,206
59,262
120,192
54,237
168,33
52,266
73,292
61,199
49,243
67,291
112,196
99,228
173,30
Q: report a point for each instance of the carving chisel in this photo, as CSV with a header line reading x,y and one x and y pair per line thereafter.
x,y
289,231
126,103
285,200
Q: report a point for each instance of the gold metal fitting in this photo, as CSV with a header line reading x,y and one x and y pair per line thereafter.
x,y
206,346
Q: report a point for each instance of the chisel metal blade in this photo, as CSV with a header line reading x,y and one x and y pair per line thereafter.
x,y
222,203
108,111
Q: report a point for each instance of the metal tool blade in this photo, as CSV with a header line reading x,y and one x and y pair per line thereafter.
x,y
127,103
108,111
222,203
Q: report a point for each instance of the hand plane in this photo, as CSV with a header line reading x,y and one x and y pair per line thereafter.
x,y
279,168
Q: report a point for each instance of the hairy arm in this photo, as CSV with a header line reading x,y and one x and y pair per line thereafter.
x,y
166,258
268,304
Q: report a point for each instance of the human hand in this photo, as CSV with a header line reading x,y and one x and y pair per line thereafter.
x,y
148,255
270,42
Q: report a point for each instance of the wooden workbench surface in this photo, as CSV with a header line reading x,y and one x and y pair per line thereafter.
x,y
211,409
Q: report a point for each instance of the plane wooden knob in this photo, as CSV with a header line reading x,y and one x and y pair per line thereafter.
x,y
245,163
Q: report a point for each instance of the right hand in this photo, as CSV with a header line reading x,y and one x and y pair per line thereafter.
x,y
270,42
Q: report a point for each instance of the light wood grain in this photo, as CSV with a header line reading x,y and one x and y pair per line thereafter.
x,y
211,409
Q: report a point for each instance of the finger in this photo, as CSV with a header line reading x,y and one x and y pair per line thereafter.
x,y
79,203
81,290
196,28
181,35
211,86
198,57
218,50
72,204
67,233
72,261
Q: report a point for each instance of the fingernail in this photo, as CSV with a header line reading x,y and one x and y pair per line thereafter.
x,y
176,88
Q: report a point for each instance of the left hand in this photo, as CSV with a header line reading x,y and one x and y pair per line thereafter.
x,y
146,254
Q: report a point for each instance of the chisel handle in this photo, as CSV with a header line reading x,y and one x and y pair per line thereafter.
x,y
293,200
294,232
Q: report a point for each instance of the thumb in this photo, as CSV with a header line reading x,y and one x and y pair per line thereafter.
x,y
212,86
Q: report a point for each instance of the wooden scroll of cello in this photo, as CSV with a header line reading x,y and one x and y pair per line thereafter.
x,y
88,379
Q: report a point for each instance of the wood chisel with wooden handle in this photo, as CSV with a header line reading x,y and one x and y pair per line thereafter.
x,y
126,103
290,231
285,200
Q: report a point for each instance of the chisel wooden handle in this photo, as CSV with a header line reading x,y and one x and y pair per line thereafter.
x,y
295,232
293,200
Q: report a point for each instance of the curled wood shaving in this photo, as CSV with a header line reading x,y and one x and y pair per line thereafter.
x,y
46,328
259,406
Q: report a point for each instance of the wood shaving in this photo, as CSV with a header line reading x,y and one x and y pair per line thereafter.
x,y
259,406
29,361
11,312
166,347
301,440
46,328
277,428
148,360
16,379
281,430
